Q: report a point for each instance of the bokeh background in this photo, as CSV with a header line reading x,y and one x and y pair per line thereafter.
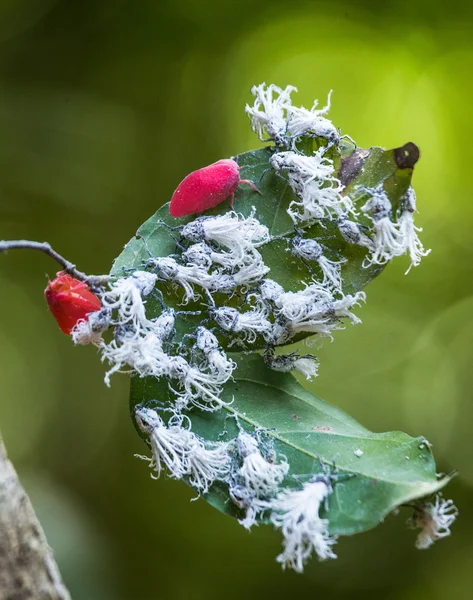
x,y
104,106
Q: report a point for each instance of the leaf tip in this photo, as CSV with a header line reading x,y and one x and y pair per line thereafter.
x,y
406,156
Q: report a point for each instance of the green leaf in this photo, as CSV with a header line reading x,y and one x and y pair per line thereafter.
x,y
370,167
394,468
374,473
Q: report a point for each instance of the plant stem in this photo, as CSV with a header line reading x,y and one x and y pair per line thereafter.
x,y
45,247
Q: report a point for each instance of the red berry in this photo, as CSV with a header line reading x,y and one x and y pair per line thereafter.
x,y
207,187
70,300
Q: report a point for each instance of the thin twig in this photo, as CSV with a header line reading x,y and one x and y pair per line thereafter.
x,y
45,247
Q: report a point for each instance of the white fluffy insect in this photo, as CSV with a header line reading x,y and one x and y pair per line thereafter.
x,y
199,255
270,290
141,351
390,238
313,310
231,231
217,361
170,444
209,462
223,283
247,269
251,271
168,269
302,311
408,231
245,499
164,325
136,344
256,481
312,179
249,324
352,233
90,330
305,304
302,121
304,169
125,297
181,452
297,514
206,341
310,250
240,271
198,387
268,113
388,241
257,474
307,365
129,352
435,520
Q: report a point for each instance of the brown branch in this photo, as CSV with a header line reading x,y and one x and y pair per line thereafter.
x,y
45,247
27,567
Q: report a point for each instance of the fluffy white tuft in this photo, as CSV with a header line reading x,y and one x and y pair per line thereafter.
x,y
306,365
183,453
313,310
249,324
387,239
189,276
216,361
297,514
200,386
352,233
270,290
135,343
435,520
268,113
302,121
310,250
312,178
89,331
408,231
392,239
138,346
237,239
125,297
256,473
256,482
170,444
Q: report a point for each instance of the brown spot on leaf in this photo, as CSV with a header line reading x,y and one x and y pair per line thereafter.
x,y
352,165
294,417
322,428
406,156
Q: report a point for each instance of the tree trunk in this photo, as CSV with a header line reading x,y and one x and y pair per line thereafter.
x,y
27,567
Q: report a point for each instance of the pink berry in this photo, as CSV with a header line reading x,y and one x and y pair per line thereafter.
x,y
207,187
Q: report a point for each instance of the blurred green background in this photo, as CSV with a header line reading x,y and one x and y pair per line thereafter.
x,y
105,105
